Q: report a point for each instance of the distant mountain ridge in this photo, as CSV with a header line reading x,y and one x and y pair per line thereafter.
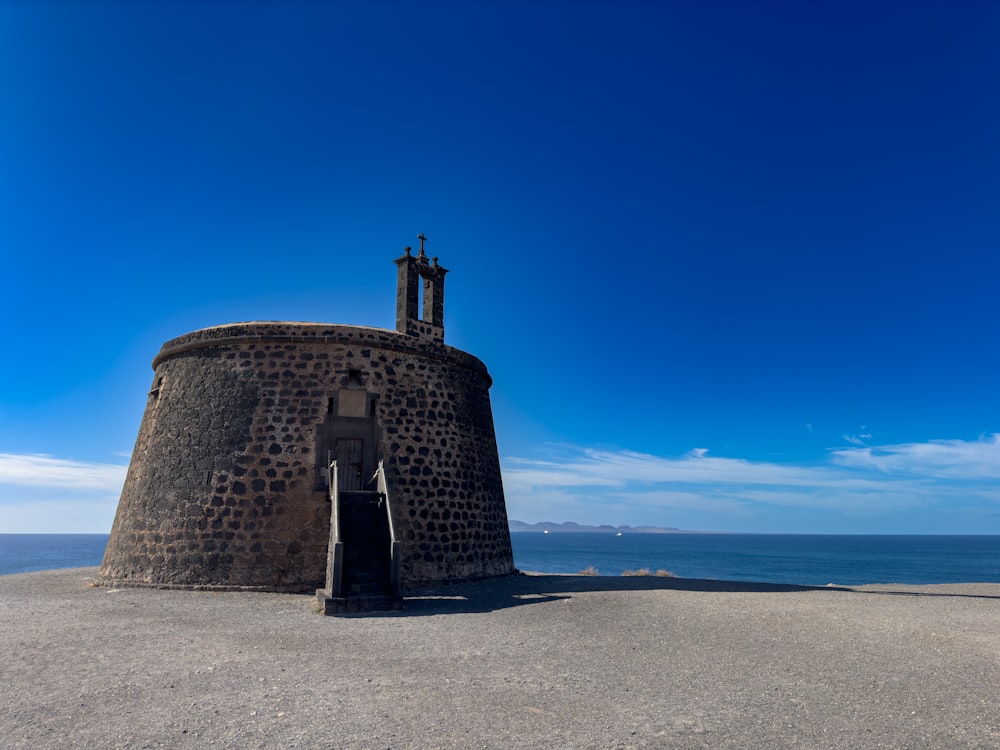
x,y
572,527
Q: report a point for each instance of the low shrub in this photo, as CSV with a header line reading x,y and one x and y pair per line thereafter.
x,y
661,573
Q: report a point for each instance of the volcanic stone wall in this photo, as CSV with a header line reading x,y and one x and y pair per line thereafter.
x,y
226,488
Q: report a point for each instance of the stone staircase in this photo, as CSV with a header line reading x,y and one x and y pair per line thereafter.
x,y
366,583
364,530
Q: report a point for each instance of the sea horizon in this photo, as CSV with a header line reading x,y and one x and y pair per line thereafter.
x,y
799,559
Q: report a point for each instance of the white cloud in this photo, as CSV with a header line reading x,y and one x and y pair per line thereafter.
x,y
677,500
590,467
58,515
886,482
39,470
937,459
48,495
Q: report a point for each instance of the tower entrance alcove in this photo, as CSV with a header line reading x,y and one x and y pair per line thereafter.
x,y
363,555
349,435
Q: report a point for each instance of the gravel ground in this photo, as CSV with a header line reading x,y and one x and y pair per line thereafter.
x,y
525,662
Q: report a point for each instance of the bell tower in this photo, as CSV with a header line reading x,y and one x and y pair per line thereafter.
x,y
417,275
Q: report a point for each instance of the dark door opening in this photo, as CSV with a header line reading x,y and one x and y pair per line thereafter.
x,y
348,453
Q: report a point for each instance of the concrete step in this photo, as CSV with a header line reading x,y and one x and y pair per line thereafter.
x,y
357,603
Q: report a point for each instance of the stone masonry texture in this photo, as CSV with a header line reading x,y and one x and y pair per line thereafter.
x,y
227,488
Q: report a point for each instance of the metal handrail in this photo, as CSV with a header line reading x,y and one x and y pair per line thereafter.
x,y
382,487
335,555
395,546
334,498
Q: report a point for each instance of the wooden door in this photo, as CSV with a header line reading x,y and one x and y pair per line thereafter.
x,y
347,453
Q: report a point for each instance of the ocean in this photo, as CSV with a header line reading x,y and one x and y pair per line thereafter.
x,y
24,553
802,559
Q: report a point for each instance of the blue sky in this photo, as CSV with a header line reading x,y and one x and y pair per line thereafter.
x,y
732,265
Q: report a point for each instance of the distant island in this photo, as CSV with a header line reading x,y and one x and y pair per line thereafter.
x,y
571,527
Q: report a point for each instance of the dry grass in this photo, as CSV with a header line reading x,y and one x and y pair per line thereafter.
x,y
661,573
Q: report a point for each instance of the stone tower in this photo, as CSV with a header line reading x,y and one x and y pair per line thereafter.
x,y
281,456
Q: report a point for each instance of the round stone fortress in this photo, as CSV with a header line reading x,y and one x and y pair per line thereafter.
x,y
298,456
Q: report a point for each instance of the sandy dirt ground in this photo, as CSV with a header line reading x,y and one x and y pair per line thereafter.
x,y
524,662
